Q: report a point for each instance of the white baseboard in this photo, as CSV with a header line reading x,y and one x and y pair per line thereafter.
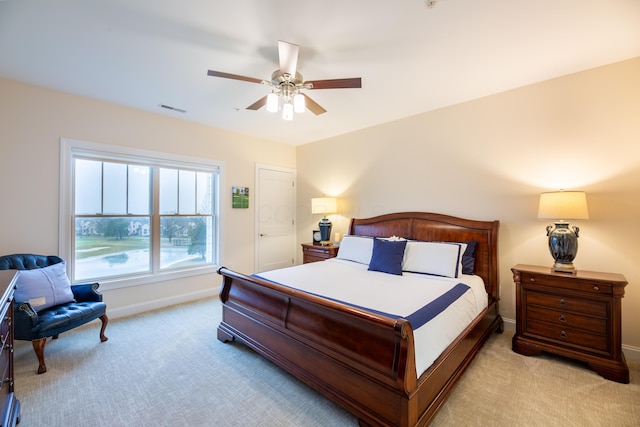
x,y
509,324
631,353
160,303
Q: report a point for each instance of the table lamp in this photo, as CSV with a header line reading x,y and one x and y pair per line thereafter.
x,y
561,206
324,206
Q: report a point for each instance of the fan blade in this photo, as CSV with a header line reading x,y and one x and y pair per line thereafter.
x,y
353,83
233,76
258,104
288,54
313,106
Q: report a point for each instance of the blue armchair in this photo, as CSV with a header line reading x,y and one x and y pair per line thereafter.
x,y
37,326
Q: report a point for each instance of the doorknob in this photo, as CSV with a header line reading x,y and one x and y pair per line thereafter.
x,y
263,234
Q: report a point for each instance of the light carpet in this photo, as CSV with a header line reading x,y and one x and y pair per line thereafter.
x,y
166,368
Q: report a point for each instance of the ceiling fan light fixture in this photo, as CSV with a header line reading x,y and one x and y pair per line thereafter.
x,y
298,103
272,102
286,85
287,111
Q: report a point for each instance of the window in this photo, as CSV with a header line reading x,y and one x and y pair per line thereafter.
x,y
136,216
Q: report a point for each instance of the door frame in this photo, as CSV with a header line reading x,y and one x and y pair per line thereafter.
x,y
256,237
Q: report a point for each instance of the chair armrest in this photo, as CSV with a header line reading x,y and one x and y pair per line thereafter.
x,y
25,318
87,292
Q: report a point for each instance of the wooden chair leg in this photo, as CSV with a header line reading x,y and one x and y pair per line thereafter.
x,y
38,347
104,320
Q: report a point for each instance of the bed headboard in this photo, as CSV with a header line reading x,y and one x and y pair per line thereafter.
x,y
443,228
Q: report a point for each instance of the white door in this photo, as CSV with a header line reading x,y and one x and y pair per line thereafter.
x,y
275,217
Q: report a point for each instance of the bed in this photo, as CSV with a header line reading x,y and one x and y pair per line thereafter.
x,y
362,360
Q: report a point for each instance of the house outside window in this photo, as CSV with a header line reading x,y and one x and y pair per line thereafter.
x,y
136,216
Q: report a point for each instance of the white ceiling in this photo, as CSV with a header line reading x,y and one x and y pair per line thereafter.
x,y
412,59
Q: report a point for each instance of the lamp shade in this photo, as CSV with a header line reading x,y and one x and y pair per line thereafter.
x,y
563,205
323,205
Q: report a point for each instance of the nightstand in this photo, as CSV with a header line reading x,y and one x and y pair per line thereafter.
x,y
313,253
572,315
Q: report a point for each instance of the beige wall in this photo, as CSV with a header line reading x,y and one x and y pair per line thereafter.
x,y
490,158
32,121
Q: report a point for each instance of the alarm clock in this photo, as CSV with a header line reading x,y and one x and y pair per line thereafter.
x,y
317,237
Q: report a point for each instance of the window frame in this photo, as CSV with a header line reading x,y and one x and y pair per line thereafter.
x,y
70,148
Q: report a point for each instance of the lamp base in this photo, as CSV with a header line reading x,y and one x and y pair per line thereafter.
x,y
564,268
563,245
325,231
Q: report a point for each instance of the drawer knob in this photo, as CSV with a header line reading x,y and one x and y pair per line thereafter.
x,y
563,334
533,279
562,318
7,380
596,288
562,301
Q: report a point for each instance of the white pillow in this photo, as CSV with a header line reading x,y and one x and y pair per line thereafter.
x,y
437,258
44,287
356,248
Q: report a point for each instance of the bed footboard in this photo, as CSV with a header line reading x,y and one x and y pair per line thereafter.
x,y
362,361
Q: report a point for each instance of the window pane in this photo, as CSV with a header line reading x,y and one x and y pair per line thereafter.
x,y
114,188
168,191
187,193
186,241
204,184
106,247
139,190
88,187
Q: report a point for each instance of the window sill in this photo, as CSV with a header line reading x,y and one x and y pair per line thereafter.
x,y
147,279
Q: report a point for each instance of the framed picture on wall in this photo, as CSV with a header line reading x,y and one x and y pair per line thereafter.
x,y
240,197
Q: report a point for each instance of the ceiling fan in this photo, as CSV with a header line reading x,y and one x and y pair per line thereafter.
x,y
287,85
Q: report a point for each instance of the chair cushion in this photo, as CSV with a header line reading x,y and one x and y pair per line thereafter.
x,y
44,287
56,320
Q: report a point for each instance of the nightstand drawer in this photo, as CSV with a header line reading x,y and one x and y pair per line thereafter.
x,y
317,251
313,258
564,319
314,253
568,282
563,302
567,335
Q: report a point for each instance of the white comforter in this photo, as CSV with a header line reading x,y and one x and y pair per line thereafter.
x,y
352,283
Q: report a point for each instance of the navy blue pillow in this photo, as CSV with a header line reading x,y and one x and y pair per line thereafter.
x,y
469,258
387,256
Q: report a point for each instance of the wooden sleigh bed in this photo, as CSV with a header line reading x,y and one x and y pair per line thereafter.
x,y
363,361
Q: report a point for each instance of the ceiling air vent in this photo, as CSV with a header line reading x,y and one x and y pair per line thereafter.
x,y
169,107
